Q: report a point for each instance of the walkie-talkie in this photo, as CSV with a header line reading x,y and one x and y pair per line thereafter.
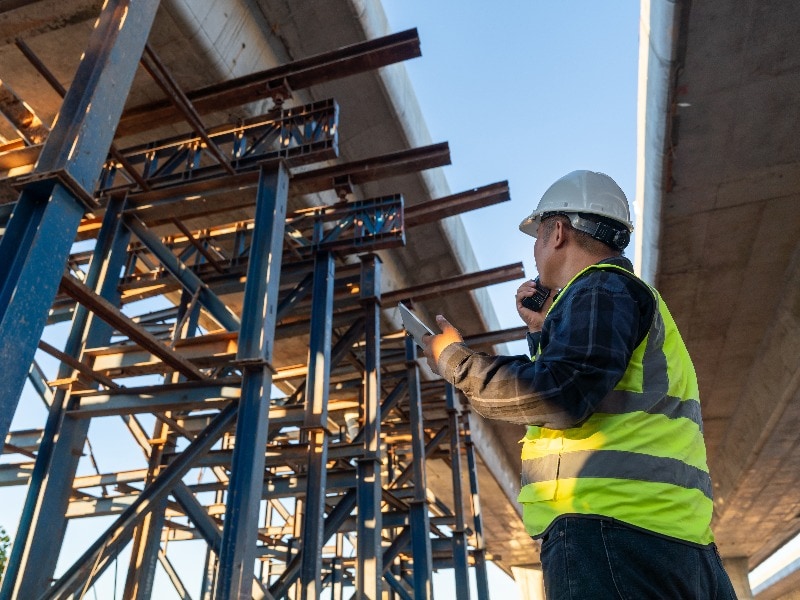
x,y
536,302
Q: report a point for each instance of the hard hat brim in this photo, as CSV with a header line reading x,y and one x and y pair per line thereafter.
x,y
530,225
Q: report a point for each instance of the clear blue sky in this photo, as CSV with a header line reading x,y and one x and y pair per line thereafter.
x,y
524,92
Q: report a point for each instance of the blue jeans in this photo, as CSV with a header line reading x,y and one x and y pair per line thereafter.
x,y
586,558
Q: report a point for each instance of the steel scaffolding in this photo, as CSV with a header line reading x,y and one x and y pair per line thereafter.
x,y
250,352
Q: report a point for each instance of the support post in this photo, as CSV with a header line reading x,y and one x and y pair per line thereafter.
x,y
369,526
316,425
460,562
420,521
40,232
479,554
256,339
42,524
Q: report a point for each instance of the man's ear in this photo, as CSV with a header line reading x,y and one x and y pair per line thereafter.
x,y
559,234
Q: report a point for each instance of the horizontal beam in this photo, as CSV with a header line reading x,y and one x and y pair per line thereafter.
x,y
114,317
155,399
440,208
158,207
349,60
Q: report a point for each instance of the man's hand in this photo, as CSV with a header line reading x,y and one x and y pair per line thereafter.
x,y
434,344
532,319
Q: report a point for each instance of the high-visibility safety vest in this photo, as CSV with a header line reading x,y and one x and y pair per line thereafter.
x,y
640,457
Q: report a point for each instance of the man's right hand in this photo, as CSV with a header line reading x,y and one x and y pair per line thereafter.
x,y
532,319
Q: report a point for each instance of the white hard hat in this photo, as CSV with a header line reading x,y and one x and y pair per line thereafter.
x,y
588,193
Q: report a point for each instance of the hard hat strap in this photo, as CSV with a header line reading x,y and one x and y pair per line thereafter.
x,y
611,236
603,232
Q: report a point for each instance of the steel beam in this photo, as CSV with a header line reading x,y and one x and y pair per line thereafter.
x,y
42,523
348,60
257,334
459,541
207,527
46,217
91,564
435,210
115,317
336,517
161,205
417,293
300,135
420,523
27,125
191,282
315,425
479,553
369,520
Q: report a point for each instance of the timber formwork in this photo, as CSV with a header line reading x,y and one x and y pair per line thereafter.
x,y
250,353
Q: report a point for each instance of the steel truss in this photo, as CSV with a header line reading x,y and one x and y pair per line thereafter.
x,y
298,477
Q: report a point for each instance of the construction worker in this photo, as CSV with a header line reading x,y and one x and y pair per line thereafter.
x,y
614,476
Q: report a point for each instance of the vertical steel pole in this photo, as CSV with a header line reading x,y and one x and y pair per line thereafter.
x,y
316,424
337,578
256,339
40,232
369,526
42,523
460,563
479,554
145,553
420,521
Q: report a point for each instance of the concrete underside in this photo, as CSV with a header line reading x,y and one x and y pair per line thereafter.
x,y
727,259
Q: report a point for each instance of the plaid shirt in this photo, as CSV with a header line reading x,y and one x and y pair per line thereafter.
x,y
587,340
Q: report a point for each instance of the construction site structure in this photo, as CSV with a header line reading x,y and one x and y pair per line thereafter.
x,y
171,284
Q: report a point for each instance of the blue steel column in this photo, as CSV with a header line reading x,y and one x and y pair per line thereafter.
x,y
369,568
42,523
316,425
42,227
479,554
256,339
460,562
420,521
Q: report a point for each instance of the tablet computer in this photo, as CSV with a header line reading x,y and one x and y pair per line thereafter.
x,y
413,326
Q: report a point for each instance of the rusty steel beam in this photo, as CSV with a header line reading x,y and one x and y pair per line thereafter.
x,y
452,285
158,207
161,75
417,293
114,317
27,125
349,60
372,169
435,210
77,365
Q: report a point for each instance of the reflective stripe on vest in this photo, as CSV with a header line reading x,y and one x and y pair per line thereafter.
x,y
615,464
644,439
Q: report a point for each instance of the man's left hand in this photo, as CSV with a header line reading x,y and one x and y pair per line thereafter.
x,y
434,344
